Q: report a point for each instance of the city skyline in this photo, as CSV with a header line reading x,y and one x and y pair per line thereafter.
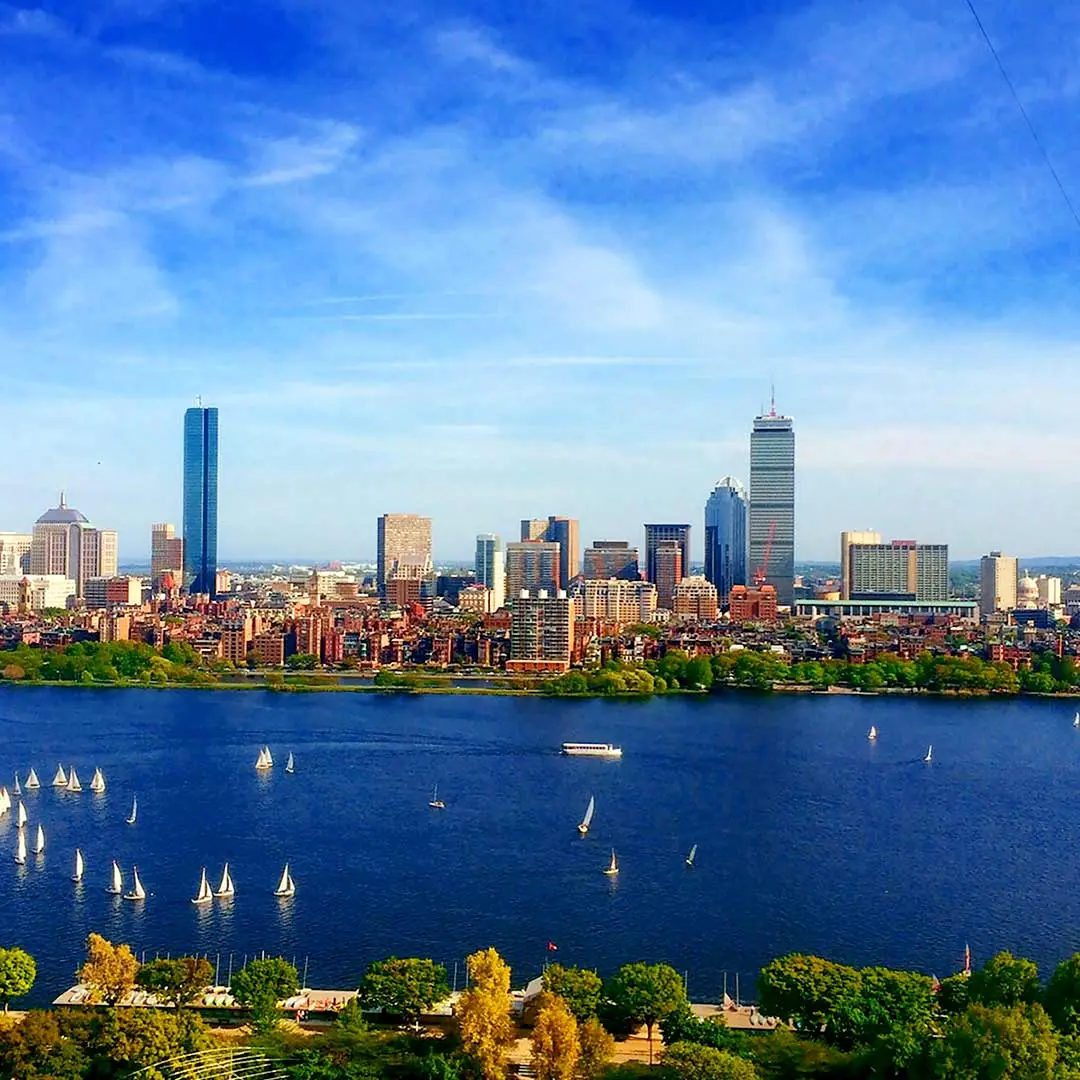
x,y
506,271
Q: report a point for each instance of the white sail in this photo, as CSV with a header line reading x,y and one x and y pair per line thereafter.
x,y
1076,720
5,801
20,817
436,803
290,765
20,849
117,885
692,856
204,895
137,890
17,788
872,733
39,841
77,876
264,760
613,866
97,785
60,779
286,886
586,821
929,754
32,780
225,889
134,810
73,780
269,759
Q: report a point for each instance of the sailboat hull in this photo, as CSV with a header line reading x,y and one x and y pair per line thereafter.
x,y
583,829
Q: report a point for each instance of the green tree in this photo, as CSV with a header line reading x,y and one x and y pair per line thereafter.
x,y
1005,980
177,982
555,1047
37,1048
954,994
1062,997
783,1055
597,1045
302,662
997,1043
683,1026
691,1061
17,974
260,985
404,987
816,995
132,1039
109,970
483,1014
895,1015
645,993
698,673
580,988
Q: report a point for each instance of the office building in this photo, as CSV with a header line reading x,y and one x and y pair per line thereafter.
x,y
65,544
864,536
998,575
1049,591
557,530
669,569
617,600
109,592
166,552
200,501
658,534
36,592
725,536
771,521
409,583
402,538
541,631
696,598
899,570
532,565
611,559
491,567
533,528
15,553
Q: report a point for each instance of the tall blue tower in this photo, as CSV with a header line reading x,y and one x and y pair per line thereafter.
x,y
200,500
725,536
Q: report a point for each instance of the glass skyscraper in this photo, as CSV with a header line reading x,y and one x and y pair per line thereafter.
x,y
725,536
772,502
200,500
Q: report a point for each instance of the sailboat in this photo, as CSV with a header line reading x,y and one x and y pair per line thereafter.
x,y
204,895
290,765
116,886
97,785
20,817
586,821
929,754
286,886
134,810
5,801
1076,720
225,890
60,779
612,867
32,781
436,803
137,890
264,760
39,841
20,849
77,876
872,733
17,788
73,780
692,856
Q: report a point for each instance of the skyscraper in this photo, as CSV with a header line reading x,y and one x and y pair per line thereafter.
x,y
166,551
65,543
670,570
491,567
901,570
864,536
557,530
725,536
532,565
403,539
998,575
772,502
655,535
200,500
608,559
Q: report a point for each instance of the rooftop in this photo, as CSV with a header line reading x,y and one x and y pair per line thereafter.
x,y
62,515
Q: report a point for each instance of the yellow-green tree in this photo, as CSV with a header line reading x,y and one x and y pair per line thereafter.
x,y
109,971
597,1045
483,1013
555,1047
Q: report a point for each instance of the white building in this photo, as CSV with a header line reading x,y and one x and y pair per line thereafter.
x,y
65,543
619,601
15,553
38,591
997,583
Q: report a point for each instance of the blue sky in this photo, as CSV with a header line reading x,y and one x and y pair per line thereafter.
x,y
497,261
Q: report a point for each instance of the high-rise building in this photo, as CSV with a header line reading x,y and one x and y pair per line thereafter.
x,y
864,536
900,570
608,559
725,535
200,500
655,535
1049,590
533,528
15,553
541,631
696,597
491,567
998,575
670,570
557,530
618,600
772,503
64,543
402,538
532,565
166,552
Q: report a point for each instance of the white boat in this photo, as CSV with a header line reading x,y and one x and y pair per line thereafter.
x,y
116,886
286,886
929,754
872,733
134,810
1076,720
290,765
77,876
588,749
97,784
73,780
225,890
17,788
20,816
612,867
204,895
436,803
137,890
39,841
586,821
60,779
692,856
20,849
5,801
32,781
264,760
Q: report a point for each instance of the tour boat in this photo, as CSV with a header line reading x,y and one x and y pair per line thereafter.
x,y
290,765
134,810
204,895
60,779
286,886
612,867
73,780
32,781
17,788
872,733
116,886
225,889
436,803
20,849
264,760
586,821
39,841
692,856
20,817
77,876
929,754
137,890
586,749
97,784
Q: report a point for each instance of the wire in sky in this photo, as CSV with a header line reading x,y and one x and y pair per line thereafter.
x,y
1023,112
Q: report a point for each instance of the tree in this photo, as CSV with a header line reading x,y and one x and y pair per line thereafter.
x,y
260,985
683,1026
132,1039
405,987
38,1048
699,673
483,1013
597,1045
177,982
302,662
1062,997
1005,980
997,1043
895,1015
954,994
109,970
17,974
814,994
645,993
580,988
555,1047
689,1061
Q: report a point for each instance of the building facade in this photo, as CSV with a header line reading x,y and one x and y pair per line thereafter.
x,y
491,567
752,604
65,544
402,539
532,565
37,592
771,520
669,569
166,552
852,536
563,531
541,631
15,553
696,598
901,570
725,536
611,559
998,575
655,535
200,501
617,600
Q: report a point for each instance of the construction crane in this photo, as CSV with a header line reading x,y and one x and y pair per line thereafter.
x,y
762,572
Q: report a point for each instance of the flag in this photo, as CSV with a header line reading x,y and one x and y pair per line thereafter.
x,y
967,959
936,985
552,947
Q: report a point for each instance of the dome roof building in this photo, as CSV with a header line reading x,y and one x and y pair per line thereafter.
x,y
63,515
64,543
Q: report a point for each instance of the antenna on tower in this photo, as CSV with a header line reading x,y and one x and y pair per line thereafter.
x,y
198,400
772,399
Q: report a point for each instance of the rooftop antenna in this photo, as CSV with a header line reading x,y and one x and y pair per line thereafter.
x,y
772,399
198,400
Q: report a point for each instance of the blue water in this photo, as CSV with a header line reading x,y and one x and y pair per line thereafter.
x,y
809,837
